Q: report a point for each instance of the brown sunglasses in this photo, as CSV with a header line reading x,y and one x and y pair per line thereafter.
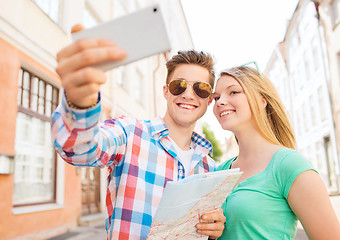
x,y
178,86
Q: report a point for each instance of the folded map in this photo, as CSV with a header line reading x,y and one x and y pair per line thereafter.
x,y
184,202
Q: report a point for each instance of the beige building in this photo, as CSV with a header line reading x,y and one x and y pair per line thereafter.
x,y
329,21
299,69
36,185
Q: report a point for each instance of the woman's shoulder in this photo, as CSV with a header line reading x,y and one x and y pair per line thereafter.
x,y
226,164
288,156
288,163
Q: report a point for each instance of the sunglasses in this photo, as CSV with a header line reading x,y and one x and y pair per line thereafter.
x,y
256,66
178,86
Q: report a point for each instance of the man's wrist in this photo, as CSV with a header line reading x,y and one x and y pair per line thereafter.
x,y
74,106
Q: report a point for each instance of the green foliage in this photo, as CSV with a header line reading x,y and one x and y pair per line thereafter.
x,y
217,151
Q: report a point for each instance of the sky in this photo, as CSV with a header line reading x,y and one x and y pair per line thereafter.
x,y
236,32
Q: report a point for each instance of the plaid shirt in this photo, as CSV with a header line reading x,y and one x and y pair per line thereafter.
x,y
140,159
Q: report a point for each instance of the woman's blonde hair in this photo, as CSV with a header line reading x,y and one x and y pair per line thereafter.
x,y
272,121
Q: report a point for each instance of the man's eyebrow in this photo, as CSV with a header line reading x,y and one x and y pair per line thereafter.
x,y
188,80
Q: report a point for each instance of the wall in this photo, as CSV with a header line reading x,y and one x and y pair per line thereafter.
x,y
56,216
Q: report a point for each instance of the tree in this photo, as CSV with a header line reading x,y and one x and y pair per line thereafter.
x,y
217,151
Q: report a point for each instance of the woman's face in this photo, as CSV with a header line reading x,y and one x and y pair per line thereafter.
x,y
231,105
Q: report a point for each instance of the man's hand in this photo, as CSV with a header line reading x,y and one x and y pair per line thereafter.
x,y
212,224
80,80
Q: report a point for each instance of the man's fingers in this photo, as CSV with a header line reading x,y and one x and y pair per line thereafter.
x,y
214,216
88,58
83,44
211,234
213,230
83,77
77,28
212,225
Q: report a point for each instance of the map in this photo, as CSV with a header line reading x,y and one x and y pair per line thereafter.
x,y
184,202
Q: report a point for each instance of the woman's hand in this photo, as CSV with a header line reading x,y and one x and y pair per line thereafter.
x,y
80,80
212,225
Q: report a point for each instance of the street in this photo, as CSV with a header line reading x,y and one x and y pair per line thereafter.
x,y
96,231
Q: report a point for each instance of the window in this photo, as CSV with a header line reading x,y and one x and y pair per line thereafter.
x,y
304,119
336,12
297,124
36,96
301,76
122,77
307,67
331,165
35,165
316,54
89,19
312,110
338,68
321,99
119,72
138,80
50,8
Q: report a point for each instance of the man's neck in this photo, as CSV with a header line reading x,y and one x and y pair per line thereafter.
x,y
180,134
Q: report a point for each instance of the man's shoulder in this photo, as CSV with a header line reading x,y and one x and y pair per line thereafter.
x,y
137,125
201,141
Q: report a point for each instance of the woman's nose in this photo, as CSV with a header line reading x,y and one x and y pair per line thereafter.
x,y
221,101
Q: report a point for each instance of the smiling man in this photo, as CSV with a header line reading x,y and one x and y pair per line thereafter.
x,y
141,155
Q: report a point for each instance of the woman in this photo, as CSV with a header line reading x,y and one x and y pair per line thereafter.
x,y
278,185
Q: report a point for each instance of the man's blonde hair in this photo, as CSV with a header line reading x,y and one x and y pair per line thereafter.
x,y
199,58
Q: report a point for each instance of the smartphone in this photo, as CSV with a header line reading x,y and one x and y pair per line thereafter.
x,y
142,34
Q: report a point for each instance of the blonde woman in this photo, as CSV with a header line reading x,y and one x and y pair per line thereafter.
x,y
278,185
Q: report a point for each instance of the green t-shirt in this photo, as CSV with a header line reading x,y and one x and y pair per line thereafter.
x,y
257,208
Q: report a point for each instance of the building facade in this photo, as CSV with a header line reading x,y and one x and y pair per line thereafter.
x,y
41,195
329,24
299,69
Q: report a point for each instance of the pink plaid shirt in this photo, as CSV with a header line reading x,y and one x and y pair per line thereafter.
x,y
139,156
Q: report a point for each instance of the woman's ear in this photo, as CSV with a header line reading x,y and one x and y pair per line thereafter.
x,y
264,102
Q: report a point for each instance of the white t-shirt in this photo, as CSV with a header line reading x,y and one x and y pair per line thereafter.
x,y
184,156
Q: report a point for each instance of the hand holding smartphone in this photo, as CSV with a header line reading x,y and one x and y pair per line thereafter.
x,y
142,34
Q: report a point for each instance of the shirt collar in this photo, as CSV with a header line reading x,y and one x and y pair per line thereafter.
x,y
158,128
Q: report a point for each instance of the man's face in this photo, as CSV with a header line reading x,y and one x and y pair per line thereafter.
x,y
186,108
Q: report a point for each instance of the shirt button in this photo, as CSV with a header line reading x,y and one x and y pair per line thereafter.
x,y
61,154
71,116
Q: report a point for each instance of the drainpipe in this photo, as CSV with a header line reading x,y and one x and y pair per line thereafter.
x,y
166,57
154,85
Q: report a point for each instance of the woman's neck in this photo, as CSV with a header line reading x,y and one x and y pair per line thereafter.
x,y
254,148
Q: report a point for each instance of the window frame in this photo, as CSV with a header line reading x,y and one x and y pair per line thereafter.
x,y
48,14
55,94
335,15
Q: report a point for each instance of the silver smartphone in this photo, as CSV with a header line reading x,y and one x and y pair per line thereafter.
x,y
142,34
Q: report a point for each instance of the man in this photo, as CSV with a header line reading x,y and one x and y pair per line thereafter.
x,y
141,156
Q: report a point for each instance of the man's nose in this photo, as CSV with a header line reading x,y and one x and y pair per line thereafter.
x,y
189,92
